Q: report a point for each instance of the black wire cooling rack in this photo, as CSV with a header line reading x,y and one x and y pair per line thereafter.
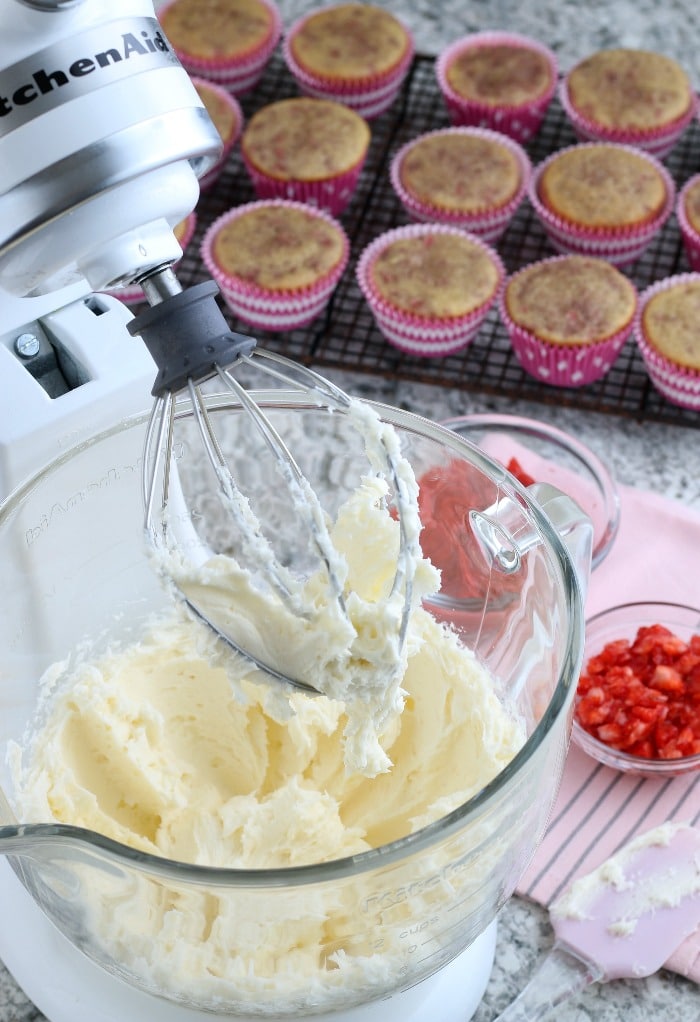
x,y
346,337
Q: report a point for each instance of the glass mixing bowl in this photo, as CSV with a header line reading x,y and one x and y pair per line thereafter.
x,y
76,570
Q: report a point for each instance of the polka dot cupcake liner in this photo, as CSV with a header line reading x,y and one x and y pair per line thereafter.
x,y
620,246
264,308
427,337
331,195
238,75
488,225
679,385
210,177
520,122
133,294
659,142
561,365
369,98
690,236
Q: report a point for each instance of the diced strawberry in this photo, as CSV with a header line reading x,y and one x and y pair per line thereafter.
x,y
644,696
667,679
517,470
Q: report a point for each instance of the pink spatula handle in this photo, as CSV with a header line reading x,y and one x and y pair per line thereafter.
x,y
559,976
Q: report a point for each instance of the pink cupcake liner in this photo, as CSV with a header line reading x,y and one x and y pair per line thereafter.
x,y
331,195
240,75
259,306
133,294
521,122
369,98
620,246
679,385
558,364
422,335
658,142
487,225
691,237
211,175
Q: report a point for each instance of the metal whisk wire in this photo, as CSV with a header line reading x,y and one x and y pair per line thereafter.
x,y
172,330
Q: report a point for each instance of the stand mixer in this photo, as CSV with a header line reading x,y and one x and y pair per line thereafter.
x,y
102,141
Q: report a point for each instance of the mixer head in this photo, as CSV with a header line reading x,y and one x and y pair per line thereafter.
x,y
102,140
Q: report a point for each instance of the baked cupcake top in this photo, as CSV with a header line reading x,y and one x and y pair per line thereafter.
x,y
670,323
305,139
571,300
434,274
349,42
277,246
691,204
460,171
500,74
212,30
631,90
602,185
222,111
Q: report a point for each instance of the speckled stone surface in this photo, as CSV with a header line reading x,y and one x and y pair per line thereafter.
x,y
572,29
647,455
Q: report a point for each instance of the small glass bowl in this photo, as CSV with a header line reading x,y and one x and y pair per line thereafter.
x,y
550,455
622,622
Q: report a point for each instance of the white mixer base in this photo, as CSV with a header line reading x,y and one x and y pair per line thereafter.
x,y
70,988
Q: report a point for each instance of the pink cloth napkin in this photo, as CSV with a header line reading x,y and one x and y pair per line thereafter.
x,y
656,556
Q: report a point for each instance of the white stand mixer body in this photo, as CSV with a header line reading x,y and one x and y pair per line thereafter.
x,y
96,375
102,139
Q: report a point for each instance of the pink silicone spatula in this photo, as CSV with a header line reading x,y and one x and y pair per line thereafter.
x,y
623,920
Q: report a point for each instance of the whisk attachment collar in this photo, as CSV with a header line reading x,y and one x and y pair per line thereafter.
x,y
188,338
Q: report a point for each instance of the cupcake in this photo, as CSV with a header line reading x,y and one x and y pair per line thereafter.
x,y
132,294
688,214
429,286
498,80
568,317
666,332
357,54
228,43
276,262
468,177
602,199
227,116
631,96
309,150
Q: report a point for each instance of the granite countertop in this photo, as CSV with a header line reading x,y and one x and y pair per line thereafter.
x,y
571,29
648,455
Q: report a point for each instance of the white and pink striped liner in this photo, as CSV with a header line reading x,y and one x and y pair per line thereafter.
x,y
240,75
428,337
488,225
659,142
369,98
262,307
620,246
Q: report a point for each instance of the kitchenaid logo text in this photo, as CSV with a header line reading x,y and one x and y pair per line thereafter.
x,y
74,67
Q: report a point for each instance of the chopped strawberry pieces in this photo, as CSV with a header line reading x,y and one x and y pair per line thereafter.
x,y
643,696
517,470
